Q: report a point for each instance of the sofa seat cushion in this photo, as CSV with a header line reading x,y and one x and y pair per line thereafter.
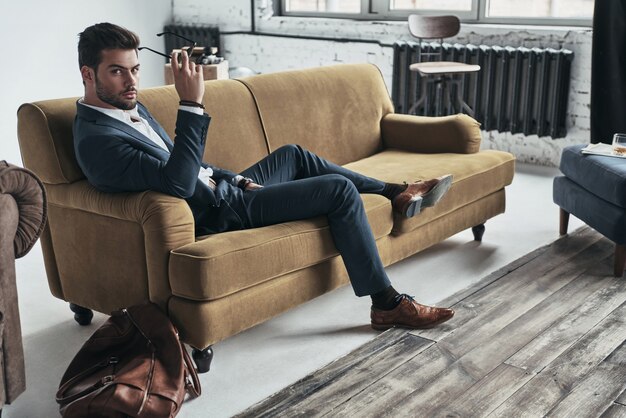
x,y
603,176
475,176
219,265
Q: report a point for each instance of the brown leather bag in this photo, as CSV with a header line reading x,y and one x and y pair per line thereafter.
x,y
133,365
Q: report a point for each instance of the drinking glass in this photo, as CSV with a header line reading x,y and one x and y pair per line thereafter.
x,y
619,145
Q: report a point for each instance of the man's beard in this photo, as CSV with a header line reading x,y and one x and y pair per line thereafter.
x,y
115,99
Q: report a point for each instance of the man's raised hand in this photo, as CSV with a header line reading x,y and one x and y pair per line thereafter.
x,y
188,78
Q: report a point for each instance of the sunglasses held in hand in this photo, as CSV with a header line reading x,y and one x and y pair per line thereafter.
x,y
190,49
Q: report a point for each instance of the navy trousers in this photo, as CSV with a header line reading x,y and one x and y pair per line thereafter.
x,y
299,185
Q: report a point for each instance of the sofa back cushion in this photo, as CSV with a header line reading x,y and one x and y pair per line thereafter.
x,y
333,111
235,139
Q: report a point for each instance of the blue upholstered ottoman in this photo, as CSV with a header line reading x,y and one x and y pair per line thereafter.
x,y
593,189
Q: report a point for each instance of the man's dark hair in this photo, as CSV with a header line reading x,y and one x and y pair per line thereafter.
x,y
93,40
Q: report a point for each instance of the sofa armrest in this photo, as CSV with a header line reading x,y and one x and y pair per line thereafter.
x,y
30,197
423,134
158,221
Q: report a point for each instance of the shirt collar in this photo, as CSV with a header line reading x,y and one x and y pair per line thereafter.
x,y
119,114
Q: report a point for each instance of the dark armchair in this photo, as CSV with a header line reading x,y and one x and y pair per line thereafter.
x,y
22,219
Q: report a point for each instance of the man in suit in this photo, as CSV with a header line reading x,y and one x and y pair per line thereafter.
x,y
121,148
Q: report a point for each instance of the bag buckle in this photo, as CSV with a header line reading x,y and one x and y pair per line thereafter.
x,y
107,379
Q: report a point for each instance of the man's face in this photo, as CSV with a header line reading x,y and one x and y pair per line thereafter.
x,y
116,79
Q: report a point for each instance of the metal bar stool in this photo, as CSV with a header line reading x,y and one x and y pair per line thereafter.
x,y
434,70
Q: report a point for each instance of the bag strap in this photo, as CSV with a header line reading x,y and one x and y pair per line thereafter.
x,y
192,383
192,386
61,397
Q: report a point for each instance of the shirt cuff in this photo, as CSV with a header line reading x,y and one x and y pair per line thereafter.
x,y
196,110
235,180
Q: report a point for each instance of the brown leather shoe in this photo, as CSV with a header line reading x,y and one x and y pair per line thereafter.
x,y
410,314
421,194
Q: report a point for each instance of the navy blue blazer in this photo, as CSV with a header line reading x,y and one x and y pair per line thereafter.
x,y
115,157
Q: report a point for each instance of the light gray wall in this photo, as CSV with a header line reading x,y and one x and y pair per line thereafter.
x,y
39,54
270,54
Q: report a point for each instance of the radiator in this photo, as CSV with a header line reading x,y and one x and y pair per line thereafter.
x,y
517,90
202,35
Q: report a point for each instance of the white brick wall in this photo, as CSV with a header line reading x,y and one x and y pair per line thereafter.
x,y
272,53
228,15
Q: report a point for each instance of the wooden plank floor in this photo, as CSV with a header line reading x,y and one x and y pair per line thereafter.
x,y
543,336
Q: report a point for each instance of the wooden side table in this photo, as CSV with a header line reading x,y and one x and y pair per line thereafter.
x,y
210,72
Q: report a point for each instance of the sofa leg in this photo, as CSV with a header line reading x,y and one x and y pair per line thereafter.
x,y
203,358
81,315
620,260
563,221
478,232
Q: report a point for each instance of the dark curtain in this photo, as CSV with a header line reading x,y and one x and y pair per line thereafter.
x,y
608,70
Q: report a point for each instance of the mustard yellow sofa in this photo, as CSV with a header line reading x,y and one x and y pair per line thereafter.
x,y
105,251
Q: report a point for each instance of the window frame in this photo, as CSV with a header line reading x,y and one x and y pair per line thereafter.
x,y
360,15
379,10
